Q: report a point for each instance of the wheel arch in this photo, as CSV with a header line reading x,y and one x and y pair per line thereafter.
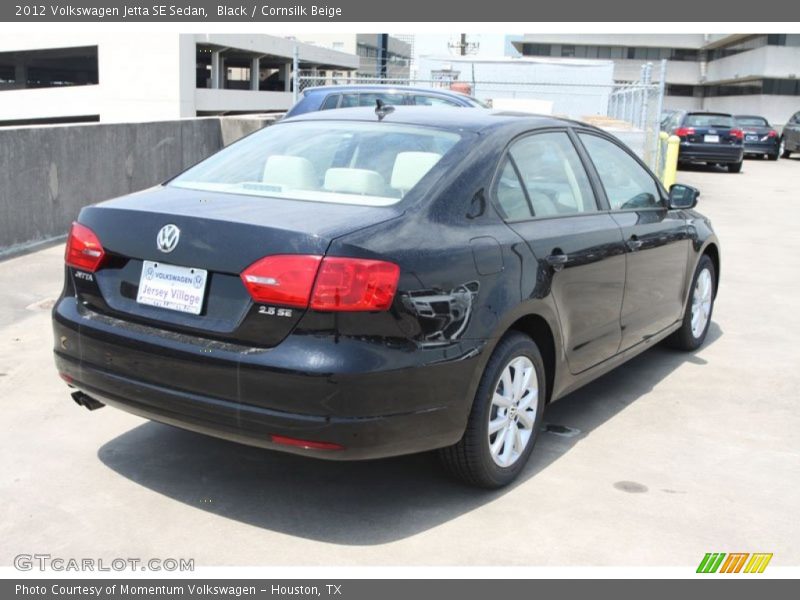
x,y
712,251
538,329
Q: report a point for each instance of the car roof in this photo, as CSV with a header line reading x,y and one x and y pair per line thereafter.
x,y
750,117
709,112
476,119
383,88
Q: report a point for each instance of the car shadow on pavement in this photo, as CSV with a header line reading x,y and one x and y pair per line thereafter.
x,y
360,503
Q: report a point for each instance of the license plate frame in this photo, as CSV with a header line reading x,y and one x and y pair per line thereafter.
x,y
171,287
711,139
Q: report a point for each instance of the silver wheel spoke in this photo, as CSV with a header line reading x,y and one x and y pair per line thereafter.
x,y
526,418
497,445
508,447
501,401
498,424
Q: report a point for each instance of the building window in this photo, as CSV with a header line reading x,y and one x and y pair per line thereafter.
x,y
56,67
537,50
770,87
680,90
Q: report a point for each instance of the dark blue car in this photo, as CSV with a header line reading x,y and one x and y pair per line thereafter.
x,y
348,96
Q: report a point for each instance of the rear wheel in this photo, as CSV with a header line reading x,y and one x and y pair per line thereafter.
x,y
506,416
697,317
772,156
734,167
783,151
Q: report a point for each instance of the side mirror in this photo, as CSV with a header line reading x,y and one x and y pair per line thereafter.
x,y
683,196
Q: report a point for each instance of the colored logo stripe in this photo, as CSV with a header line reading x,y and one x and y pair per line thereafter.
x,y
714,562
758,562
711,562
734,562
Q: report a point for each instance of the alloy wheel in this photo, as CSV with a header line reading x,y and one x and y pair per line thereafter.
x,y
701,303
512,414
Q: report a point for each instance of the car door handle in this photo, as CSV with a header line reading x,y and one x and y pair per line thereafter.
x,y
634,243
557,260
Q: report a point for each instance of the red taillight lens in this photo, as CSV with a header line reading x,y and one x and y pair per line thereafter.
x,y
354,284
84,250
338,284
282,279
684,131
737,133
307,444
772,134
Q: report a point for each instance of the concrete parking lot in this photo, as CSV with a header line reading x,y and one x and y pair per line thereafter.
x,y
669,457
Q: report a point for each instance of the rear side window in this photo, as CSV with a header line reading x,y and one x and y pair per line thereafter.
x,y
368,98
711,120
423,100
628,185
349,100
553,181
510,196
331,101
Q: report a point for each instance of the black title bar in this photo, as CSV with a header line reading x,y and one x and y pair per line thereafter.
x,y
387,11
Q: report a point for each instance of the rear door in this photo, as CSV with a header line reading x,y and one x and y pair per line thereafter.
x,y
656,240
545,195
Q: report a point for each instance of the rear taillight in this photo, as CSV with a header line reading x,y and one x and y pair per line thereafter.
x,y
684,131
284,279
353,284
326,284
84,250
772,134
737,133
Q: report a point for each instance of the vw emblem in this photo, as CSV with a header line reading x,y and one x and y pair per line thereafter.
x,y
168,238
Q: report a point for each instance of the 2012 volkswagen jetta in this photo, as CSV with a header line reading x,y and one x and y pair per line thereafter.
x,y
365,283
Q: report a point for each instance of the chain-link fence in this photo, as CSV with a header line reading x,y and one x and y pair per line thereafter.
x,y
631,111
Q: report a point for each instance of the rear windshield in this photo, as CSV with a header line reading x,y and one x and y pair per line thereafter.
x,y
371,164
709,120
752,121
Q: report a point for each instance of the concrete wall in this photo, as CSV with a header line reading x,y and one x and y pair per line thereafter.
x,y
48,173
768,61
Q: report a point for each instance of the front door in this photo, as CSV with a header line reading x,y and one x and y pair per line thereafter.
x,y
656,241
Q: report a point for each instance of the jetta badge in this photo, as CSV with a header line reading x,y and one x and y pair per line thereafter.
x,y
168,237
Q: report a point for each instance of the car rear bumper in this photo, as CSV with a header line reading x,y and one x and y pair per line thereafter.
x,y
720,153
770,147
368,400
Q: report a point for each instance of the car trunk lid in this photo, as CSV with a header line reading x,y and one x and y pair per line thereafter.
x,y
220,235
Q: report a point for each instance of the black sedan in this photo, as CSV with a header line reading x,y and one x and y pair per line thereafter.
x,y
711,138
365,283
760,138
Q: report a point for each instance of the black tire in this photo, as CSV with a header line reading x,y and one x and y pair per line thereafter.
x,y
684,338
470,459
735,167
772,156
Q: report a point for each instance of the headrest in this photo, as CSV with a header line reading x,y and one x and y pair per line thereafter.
x,y
410,167
355,181
293,172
